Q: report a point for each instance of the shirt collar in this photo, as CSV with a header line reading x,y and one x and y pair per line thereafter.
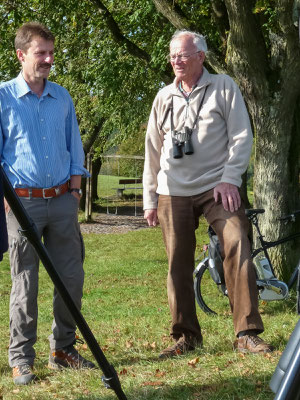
x,y
23,88
49,89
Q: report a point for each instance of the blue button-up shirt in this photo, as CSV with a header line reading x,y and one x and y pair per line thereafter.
x,y
40,144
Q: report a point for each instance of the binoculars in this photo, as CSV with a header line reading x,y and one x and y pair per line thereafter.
x,y
182,142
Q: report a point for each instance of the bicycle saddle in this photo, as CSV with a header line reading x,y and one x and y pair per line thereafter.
x,y
254,211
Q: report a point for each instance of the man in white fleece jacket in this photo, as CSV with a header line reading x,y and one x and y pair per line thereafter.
x,y
198,145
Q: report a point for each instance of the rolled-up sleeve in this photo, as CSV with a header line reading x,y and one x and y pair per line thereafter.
x,y
75,144
153,145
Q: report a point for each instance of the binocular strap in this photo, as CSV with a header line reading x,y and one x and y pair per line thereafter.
x,y
197,115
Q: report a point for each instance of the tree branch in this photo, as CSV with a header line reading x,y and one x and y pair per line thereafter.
x,y
220,17
173,13
132,48
90,140
215,62
177,18
246,51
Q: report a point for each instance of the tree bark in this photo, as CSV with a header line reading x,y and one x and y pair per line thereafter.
x,y
271,89
276,185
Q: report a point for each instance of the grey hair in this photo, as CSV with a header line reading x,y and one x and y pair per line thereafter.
x,y
198,40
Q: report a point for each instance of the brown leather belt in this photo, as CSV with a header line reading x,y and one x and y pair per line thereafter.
x,y
47,193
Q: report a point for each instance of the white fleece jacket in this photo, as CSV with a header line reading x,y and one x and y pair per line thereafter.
x,y
222,139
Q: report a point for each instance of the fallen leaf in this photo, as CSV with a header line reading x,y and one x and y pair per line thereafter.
x,y
129,344
159,374
193,362
267,355
123,372
228,363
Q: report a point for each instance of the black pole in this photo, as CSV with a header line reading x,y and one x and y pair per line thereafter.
x,y
29,230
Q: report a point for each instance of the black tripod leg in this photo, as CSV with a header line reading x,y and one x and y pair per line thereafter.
x,y
110,377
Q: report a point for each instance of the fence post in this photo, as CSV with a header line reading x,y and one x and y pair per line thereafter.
x,y
88,195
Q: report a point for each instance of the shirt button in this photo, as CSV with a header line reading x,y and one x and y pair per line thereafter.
x,y
49,175
44,137
42,119
46,157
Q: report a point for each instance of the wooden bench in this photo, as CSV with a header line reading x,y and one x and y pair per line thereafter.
x,y
126,182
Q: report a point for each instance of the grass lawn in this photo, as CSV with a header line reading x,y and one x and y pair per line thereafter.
x,y
125,305
110,200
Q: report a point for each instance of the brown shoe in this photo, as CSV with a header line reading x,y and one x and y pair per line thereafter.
x,y
182,345
252,344
22,374
68,357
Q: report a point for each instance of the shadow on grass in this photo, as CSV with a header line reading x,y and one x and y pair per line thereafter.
x,y
271,308
280,306
234,389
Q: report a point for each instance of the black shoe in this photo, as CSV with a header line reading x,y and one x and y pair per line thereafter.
x,y
22,374
68,357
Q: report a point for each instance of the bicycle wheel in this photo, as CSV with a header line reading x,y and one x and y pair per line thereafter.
x,y
207,291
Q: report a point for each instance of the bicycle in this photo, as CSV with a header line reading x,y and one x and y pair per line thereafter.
x,y
269,287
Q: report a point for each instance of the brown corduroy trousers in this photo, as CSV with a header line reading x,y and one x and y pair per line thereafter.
x,y
179,218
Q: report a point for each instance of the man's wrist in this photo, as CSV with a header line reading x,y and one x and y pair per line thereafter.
x,y
76,190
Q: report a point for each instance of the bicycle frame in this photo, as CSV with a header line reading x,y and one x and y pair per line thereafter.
x,y
265,245
270,288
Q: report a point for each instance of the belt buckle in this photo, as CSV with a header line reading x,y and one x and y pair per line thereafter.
x,y
44,196
30,195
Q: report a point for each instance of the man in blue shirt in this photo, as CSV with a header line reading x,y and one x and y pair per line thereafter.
x,y
42,155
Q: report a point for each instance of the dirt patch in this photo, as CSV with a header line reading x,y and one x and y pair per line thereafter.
x,y
112,223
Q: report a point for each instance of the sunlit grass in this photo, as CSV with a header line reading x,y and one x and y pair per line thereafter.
x,y
125,305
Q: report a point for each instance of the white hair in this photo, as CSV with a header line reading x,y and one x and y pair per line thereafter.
x,y
198,40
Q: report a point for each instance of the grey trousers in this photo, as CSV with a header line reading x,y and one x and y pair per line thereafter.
x,y
179,218
57,223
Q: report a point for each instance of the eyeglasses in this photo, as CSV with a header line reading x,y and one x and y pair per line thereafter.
x,y
181,57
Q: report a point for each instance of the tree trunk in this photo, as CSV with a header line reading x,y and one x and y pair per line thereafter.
x,y
276,179
96,166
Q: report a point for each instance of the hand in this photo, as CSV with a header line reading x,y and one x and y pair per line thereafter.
x,y
230,196
6,206
77,195
151,217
